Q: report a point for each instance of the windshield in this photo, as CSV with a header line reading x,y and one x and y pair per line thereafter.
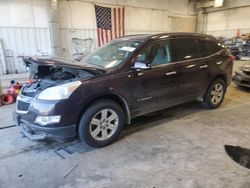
x,y
112,54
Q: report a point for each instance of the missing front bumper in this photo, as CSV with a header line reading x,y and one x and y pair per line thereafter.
x,y
35,132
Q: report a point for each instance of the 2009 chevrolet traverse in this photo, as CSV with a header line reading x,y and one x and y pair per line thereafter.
x,y
126,78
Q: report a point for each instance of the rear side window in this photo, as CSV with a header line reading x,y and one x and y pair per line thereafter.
x,y
209,47
185,48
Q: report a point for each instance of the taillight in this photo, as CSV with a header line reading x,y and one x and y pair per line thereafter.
x,y
231,58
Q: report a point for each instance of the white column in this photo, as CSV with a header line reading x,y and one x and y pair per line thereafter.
x,y
54,28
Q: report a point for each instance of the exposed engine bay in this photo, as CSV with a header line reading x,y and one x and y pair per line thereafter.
x,y
44,76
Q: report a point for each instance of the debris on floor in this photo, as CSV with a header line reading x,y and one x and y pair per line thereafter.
x,y
239,155
70,171
63,152
10,96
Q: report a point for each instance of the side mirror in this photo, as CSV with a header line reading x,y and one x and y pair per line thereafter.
x,y
140,65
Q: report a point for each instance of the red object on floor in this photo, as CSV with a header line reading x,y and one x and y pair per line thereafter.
x,y
11,94
7,99
14,89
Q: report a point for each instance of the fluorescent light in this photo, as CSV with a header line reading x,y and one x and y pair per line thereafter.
x,y
218,3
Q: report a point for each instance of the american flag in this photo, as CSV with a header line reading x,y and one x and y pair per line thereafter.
x,y
110,23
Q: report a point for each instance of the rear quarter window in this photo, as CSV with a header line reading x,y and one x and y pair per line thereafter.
x,y
209,47
185,49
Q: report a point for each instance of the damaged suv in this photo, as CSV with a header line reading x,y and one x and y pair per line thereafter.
x,y
129,77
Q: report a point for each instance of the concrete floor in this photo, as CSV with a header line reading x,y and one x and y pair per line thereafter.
x,y
179,147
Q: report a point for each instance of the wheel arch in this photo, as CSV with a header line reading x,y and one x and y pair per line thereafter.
x,y
205,101
218,76
114,97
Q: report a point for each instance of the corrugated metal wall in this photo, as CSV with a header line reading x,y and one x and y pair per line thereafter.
x,y
68,34
25,25
29,41
23,41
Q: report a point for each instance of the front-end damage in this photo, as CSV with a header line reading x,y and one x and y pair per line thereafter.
x,y
39,109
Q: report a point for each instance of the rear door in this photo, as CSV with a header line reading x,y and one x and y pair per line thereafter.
x,y
210,50
193,68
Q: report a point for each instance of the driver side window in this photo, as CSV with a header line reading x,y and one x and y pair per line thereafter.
x,y
155,54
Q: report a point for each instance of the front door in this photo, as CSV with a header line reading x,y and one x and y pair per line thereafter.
x,y
154,88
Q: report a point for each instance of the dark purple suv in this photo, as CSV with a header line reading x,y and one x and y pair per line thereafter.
x,y
126,78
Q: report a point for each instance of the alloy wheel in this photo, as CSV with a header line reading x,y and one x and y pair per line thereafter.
x,y
217,93
104,124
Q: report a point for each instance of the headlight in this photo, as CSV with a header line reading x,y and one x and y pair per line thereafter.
x,y
59,92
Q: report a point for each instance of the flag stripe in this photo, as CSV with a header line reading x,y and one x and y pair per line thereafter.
x,y
115,22
98,36
123,23
119,21
102,37
106,34
111,36
110,23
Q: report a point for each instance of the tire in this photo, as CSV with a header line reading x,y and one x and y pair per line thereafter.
x,y
215,94
101,124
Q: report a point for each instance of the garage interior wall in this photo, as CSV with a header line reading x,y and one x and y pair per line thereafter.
x,y
24,30
225,21
25,24
141,17
78,19
186,23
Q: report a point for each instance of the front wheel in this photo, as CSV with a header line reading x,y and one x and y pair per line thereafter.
x,y
215,94
101,123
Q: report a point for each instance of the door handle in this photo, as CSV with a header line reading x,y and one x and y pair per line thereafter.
x,y
140,74
203,66
190,66
170,73
135,74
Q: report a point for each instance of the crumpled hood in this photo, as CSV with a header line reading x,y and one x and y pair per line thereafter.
x,y
60,62
49,72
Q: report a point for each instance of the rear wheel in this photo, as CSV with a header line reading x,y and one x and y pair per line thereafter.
x,y
215,94
101,123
